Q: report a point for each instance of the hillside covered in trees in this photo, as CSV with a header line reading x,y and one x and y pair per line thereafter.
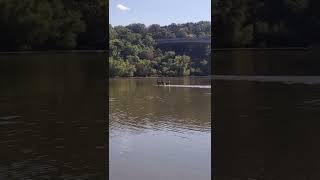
x,y
266,23
52,24
133,51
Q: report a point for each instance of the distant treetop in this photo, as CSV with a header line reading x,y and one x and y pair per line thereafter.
x,y
201,29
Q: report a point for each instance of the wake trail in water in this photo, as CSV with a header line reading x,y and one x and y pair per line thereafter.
x,y
283,79
187,86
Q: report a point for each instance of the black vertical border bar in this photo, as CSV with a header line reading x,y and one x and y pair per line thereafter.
x,y
106,86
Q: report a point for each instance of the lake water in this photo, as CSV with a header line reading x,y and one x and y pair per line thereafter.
x,y
266,113
268,62
159,132
53,114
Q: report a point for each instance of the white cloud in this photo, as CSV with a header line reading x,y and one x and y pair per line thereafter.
x,y
122,7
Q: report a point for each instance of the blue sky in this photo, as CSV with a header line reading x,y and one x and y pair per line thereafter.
x,y
163,12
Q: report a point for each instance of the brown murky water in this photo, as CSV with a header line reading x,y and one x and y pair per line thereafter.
x,y
53,116
266,130
159,132
266,113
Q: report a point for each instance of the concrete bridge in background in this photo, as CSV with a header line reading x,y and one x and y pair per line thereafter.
x,y
183,40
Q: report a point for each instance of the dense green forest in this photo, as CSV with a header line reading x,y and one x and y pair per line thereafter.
x,y
52,24
133,51
266,23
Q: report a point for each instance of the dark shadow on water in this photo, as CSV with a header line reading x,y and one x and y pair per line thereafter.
x,y
266,130
266,62
53,116
266,127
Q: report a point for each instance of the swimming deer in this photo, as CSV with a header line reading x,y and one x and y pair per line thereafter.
x,y
160,83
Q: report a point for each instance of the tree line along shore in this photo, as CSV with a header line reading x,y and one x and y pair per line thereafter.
x,y
37,25
133,50
42,25
266,23
29,25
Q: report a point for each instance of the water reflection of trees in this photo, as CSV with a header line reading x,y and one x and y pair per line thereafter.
x,y
138,106
259,62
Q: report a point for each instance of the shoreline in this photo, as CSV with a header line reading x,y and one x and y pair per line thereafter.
x,y
53,51
155,77
213,49
287,79
264,49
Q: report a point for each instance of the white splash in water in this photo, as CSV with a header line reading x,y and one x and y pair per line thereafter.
x,y
187,86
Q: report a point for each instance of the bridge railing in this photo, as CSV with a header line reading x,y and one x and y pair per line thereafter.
x,y
177,40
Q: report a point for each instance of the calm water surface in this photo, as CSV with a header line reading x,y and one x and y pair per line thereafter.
x,y
159,132
266,116
53,116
